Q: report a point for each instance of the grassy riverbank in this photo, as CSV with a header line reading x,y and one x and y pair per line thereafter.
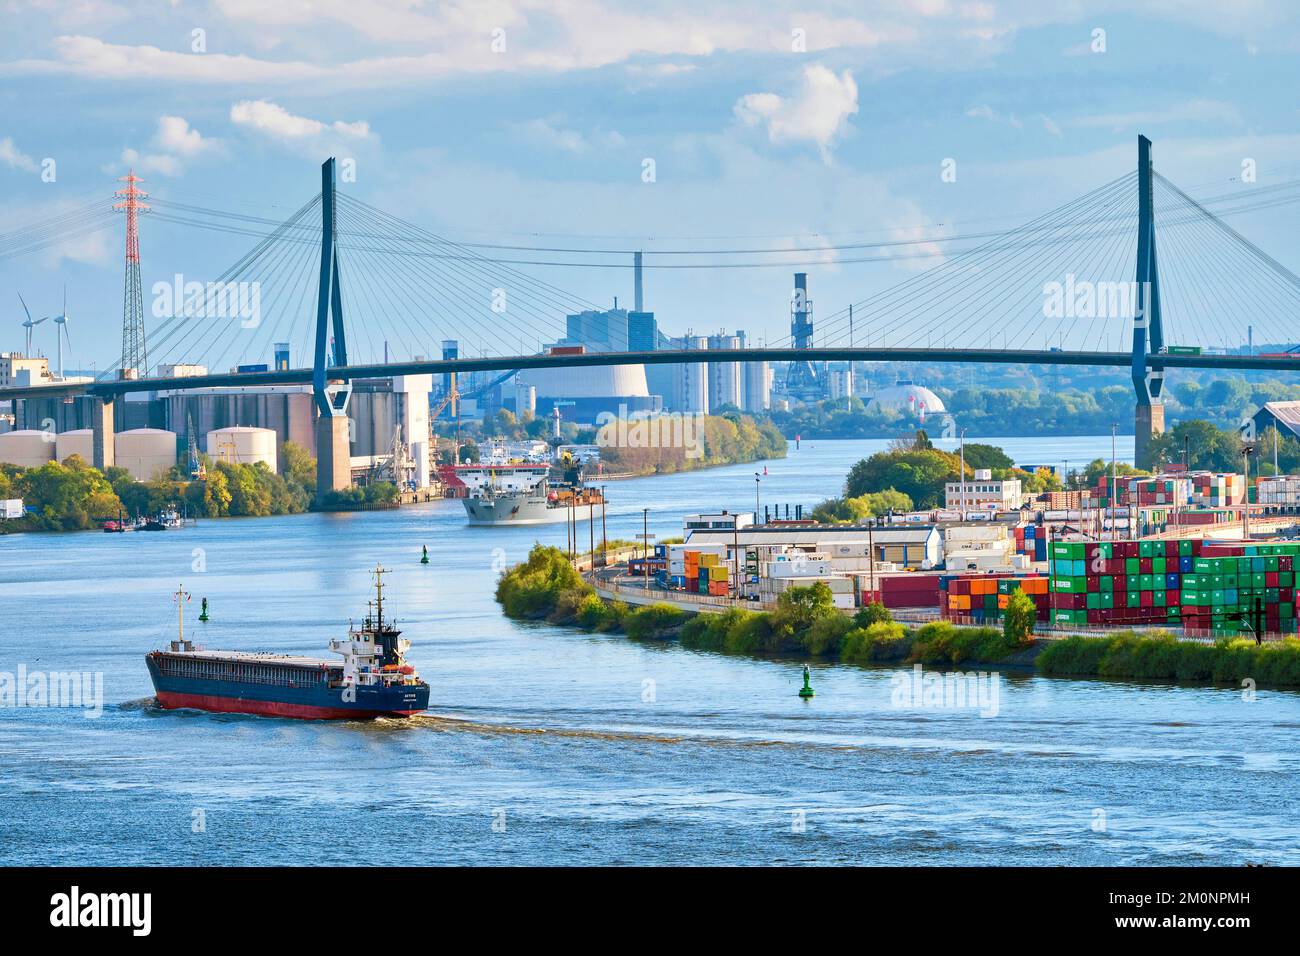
x,y
805,623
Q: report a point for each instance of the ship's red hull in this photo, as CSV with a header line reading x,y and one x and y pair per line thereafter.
x,y
171,700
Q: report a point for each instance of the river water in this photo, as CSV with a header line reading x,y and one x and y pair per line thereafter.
x,y
550,746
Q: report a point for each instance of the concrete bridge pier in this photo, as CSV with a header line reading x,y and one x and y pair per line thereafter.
x,y
1149,422
101,424
333,454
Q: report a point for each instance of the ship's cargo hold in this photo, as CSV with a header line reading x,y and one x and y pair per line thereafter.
x,y
145,452
240,444
27,448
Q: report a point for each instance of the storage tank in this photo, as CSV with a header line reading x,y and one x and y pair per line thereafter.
x,y
240,444
79,441
27,448
145,452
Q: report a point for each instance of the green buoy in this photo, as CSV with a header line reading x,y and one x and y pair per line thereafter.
x,y
806,690
203,615
424,558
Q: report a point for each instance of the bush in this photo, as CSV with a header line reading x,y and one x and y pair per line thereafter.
x,y
873,613
653,621
823,637
535,588
875,643
941,642
1019,618
1160,656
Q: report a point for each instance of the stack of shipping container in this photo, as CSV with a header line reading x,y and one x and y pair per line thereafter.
x,y
1189,583
1031,541
983,597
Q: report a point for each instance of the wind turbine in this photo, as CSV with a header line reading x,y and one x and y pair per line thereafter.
x,y
29,324
61,333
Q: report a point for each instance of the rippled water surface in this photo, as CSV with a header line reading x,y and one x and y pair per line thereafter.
x,y
550,746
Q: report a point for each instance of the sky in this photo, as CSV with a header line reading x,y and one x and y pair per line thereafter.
x,y
531,122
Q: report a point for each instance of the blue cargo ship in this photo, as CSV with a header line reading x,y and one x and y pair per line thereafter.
x,y
373,678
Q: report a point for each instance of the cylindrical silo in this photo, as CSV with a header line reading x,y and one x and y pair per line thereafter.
x,y
27,448
147,453
240,444
79,441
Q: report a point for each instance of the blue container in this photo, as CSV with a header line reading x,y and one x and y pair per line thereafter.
x,y
1171,581
1185,564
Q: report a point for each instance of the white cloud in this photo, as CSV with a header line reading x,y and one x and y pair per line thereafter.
x,y
13,157
986,112
547,132
1050,125
298,132
818,113
277,122
151,162
173,141
175,135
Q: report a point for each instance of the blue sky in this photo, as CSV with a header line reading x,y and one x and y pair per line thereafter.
x,y
761,134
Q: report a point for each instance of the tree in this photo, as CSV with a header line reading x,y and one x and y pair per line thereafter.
x,y
298,465
873,613
987,456
1019,618
797,609
920,475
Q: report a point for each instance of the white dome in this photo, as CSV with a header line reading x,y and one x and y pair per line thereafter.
x,y
909,398
605,381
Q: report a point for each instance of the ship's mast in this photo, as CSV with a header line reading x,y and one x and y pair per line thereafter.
x,y
181,597
379,598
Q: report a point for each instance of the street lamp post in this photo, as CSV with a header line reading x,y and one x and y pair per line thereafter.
x,y
962,477
757,479
1114,481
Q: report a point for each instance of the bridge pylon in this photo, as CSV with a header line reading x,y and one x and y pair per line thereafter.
x,y
1148,383
333,428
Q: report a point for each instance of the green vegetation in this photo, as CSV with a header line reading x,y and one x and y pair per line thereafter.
x,y
72,496
806,623
724,439
1160,656
727,437
1019,618
914,472
840,510
378,494
1041,407
547,587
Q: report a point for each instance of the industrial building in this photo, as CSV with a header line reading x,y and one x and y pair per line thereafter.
x,y
1284,416
907,547
983,493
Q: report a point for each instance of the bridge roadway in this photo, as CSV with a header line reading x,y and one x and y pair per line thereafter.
x,y
106,388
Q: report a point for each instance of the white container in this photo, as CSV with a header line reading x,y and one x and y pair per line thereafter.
x,y
80,441
147,453
26,448
242,445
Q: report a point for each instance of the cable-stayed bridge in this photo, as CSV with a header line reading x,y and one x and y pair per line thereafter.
x,y
1133,274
